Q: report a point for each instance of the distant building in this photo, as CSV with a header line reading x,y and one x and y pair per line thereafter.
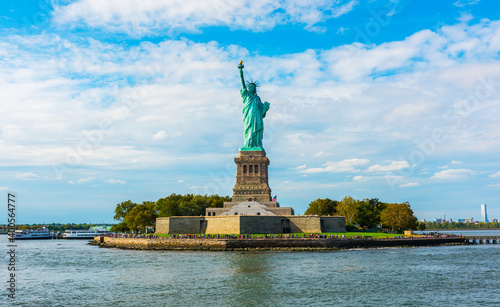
x,y
450,220
484,214
494,220
469,220
423,221
439,220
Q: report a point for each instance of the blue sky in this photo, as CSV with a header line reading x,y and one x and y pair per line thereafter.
x,y
105,101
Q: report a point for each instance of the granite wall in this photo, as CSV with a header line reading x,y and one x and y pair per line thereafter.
x,y
249,224
332,224
222,224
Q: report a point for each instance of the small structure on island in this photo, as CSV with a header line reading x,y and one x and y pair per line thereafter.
x,y
252,210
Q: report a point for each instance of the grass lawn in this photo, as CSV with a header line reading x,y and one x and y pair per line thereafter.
x,y
366,234
347,234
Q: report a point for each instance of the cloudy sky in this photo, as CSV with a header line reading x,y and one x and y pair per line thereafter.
x,y
105,101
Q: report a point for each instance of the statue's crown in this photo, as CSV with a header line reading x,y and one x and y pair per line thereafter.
x,y
254,83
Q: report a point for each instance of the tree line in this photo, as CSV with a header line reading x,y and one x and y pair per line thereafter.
x,y
141,217
461,225
368,213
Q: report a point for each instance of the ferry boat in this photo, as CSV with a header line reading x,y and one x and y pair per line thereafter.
x,y
83,234
32,234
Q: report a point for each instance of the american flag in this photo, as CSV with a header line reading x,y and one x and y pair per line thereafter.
x,y
275,197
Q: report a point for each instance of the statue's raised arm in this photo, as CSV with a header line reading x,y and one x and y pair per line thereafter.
x,y
242,79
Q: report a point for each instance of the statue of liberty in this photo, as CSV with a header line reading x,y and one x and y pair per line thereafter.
x,y
253,113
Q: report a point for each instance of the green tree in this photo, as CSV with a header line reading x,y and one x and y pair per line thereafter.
x,y
189,204
347,207
368,212
65,226
120,227
322,206
122,209
421,226
398,217
142,216
169,206
216,201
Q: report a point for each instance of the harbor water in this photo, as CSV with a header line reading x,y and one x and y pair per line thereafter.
x,y
72,273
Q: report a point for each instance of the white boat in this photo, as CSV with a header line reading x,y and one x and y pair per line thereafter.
x,y
83,234
32,234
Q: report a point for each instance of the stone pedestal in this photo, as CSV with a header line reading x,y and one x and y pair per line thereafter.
x,y
251,193
252,180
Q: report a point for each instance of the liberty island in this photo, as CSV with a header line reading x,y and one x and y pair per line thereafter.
x,y
251,210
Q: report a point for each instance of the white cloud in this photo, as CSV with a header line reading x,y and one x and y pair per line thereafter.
x,y
180,181
394,166
321,154
116,181
85,180
3,188
453,174
341,30
409,184
58,88
300,167
493,185
151,17
27,176
497,174
12,131
48,85
444,166
456,162
392,178
462,3
410,111
348,165
82,180
465,17
360,178
160,135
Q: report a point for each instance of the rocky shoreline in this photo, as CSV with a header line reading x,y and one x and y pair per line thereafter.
x,y
268,244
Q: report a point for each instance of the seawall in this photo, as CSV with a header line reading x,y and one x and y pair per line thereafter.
x,y
266,244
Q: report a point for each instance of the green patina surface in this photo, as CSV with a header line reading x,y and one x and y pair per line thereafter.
x,y
254,112
252,149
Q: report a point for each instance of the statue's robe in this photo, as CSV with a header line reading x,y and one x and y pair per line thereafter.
x,y
253,113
